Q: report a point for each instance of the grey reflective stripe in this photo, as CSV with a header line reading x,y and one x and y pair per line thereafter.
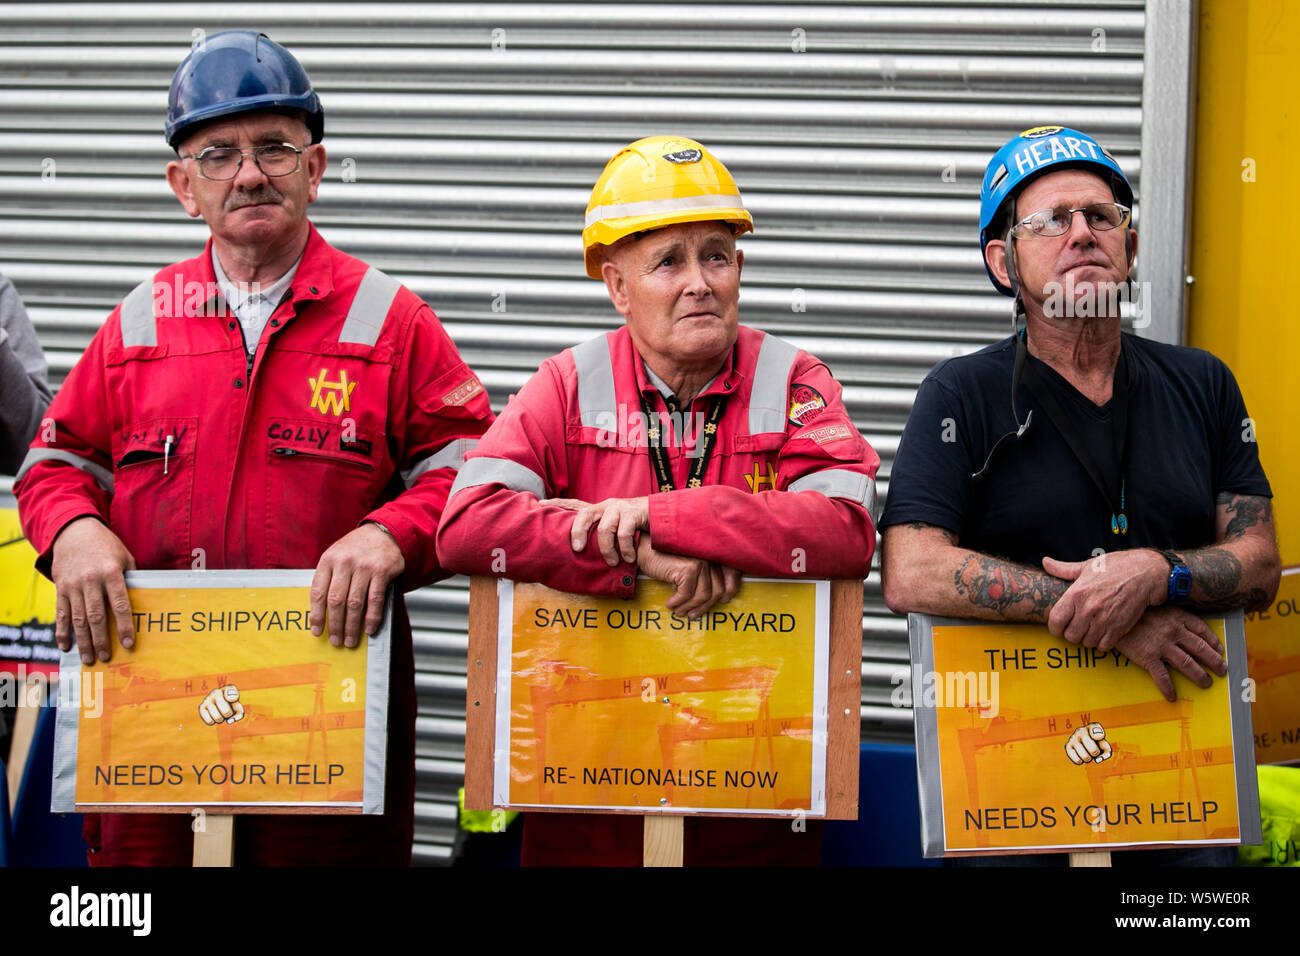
x,y
650,207
768,401
451,455
839,483
63,788
102,475
498,471
366,317
136,317
596,394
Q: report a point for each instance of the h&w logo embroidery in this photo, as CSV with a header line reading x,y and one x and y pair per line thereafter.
x,y
331,398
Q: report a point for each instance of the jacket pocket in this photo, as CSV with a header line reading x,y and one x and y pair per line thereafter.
x,y
153,491
321,481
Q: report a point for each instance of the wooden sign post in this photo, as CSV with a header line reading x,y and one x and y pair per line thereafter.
x,y
759,720
214,844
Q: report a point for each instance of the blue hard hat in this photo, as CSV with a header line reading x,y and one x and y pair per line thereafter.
x,y
1028,155
238,71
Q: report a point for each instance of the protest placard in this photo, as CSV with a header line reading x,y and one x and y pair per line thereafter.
x,y
226,702
621,706
1002,712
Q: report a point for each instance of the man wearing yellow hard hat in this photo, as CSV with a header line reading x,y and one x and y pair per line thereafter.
x,y
683,446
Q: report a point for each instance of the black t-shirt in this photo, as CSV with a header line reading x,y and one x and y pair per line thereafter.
x,y
1188,441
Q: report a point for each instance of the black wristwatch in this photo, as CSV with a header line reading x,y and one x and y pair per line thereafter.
x,y
1180,578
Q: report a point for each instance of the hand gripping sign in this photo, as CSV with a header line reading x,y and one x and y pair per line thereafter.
x,y
227,703
1027,744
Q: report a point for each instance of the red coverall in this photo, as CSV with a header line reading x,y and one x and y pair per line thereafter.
x,y
356,407
787,492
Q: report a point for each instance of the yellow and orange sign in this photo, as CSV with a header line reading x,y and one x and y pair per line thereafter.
x,y
227,699
622,705
1273,653
1028,743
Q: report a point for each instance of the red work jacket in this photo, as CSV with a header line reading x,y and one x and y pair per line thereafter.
x,y
355,406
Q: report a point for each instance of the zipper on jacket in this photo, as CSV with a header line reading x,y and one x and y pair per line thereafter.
x,y
284,452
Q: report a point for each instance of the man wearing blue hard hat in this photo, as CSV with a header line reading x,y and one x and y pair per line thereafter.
x,y
1072,438
270,403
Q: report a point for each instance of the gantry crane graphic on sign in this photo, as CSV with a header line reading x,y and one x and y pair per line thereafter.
x,y
681,724
127,685
1008,729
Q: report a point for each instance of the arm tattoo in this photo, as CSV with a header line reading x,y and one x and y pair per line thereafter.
x,y
999,585
1247,511
921,526
1216,581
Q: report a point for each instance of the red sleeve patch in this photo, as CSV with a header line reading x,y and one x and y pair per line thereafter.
x,y
463,392
830,433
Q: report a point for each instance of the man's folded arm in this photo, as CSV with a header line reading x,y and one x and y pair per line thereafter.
x,y
925,570
1242,568
821,527
817,521
494,522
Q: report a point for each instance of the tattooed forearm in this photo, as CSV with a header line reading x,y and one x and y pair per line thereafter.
x,y
1247,511
1217,581
1000,585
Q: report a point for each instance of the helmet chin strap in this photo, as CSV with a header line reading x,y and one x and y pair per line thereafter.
x,y
1013,280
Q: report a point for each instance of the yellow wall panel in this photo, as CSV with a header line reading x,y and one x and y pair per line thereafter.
x,y
1245,223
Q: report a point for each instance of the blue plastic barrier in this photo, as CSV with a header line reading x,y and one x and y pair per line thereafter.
x,y
888,829
39,837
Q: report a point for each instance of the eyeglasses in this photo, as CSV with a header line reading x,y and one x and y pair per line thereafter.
x,y
222,163
1100,217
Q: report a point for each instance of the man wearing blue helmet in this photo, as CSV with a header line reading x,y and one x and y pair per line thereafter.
x,y
1106,443
270,403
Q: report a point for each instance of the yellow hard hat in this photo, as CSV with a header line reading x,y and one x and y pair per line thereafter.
x,y
656,182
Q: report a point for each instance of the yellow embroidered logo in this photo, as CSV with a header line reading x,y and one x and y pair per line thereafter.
x,y
331,398
758,481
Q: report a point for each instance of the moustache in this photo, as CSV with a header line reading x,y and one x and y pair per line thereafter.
x,y
254,197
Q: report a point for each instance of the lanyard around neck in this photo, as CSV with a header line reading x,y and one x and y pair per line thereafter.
x,y
708,439
1119,433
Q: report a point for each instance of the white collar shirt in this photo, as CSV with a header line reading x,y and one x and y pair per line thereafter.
x,y
252,304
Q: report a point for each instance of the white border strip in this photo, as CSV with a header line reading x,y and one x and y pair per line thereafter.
x,y
375,753
821,699
505,653
63,786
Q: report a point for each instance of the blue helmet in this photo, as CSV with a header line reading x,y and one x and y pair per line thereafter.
x,y
1031,153
238,71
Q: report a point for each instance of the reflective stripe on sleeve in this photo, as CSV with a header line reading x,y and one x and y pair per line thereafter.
x,y
596,396
498,471
769,398
839,483
137,319
103,477
451,455
369,308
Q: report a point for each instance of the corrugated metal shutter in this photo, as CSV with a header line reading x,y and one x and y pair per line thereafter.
x,y
464,140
